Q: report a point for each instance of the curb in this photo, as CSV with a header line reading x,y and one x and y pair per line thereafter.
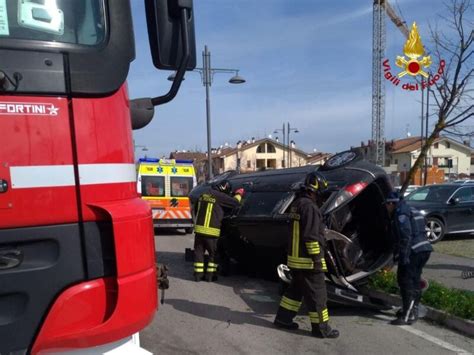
x,y
461,325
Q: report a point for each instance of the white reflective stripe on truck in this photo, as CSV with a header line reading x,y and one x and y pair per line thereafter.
x,y
23,177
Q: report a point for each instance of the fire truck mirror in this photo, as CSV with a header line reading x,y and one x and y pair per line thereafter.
x,y
171,33
3,186
141,112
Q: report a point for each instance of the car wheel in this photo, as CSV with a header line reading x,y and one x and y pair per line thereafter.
x,y
435,230
341,159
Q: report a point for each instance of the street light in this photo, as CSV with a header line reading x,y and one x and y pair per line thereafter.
x,y
207,76
286,140
282,130
144,148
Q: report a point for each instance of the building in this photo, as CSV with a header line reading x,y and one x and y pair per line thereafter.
x,y
472,165
258,155
199,161
446,154
318,158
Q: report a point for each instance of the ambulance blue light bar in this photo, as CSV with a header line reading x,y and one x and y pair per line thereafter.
x,y
165,161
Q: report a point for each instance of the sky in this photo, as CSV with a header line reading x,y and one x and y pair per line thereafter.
x,y
306,62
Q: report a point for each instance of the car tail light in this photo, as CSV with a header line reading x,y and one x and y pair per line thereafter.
x,y
354,189
346,194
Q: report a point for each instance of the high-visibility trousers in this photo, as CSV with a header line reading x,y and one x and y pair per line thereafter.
x,y
202,244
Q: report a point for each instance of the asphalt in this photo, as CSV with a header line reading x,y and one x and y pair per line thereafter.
x,y
235,315
447,270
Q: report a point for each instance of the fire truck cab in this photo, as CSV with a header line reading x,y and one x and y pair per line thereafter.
x,y
77,255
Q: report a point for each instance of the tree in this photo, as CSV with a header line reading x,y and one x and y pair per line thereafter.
x,y
452,92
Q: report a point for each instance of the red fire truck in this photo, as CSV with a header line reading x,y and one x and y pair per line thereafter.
x,y
77,256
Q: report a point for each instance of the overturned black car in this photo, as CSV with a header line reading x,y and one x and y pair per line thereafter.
x,y
359,244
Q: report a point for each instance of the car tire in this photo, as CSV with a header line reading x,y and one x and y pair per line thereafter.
x,y
189,230
341,159
435,229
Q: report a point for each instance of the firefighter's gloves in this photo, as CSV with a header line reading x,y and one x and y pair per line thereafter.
x,y
240,192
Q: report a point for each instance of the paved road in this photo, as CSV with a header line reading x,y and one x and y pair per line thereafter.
x,y
234,316
447,270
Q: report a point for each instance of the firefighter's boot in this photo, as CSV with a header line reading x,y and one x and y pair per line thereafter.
x,y
198,276
323,330
285,325
284,319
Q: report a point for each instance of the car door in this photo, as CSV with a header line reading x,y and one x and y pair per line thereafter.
x,y
461,210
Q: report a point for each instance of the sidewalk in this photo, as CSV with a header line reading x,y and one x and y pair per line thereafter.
x,y
446,269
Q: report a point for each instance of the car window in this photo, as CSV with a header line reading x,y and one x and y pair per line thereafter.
x,y
431,194
261,203
464,194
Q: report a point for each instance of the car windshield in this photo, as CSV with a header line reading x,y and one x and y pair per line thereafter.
x,y
64,21
431,193
261,203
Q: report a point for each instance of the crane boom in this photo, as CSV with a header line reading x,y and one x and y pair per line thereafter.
x,y
380,7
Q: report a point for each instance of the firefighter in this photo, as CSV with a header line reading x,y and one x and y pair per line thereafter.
x,y
412,252
306,249
207,227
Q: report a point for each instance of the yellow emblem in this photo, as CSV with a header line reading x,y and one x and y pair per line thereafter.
x,y
413,49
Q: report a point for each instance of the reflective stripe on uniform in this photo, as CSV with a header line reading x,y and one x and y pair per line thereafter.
x,y
313,248
323,264
290,304
211,267
198,267
325,315
212,232
238,197
420,244
207,220
313,317
300,263
296,238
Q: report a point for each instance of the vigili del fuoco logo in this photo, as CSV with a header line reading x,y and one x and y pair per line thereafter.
x,y
413,63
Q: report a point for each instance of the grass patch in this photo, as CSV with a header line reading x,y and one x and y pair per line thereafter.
x,y
459,303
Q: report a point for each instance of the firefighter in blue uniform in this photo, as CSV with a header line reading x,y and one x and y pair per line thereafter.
x,y
306,249
207,226
413,251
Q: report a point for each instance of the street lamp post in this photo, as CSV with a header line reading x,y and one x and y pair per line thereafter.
x,y
207,76
290,129
144,148
282,130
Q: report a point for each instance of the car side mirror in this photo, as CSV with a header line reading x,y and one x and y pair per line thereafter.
x,y
454,201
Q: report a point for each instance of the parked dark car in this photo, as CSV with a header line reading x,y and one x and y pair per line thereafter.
x,y
449,208
256,235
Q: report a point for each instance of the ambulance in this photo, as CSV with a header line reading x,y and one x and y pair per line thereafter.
x,y
165,184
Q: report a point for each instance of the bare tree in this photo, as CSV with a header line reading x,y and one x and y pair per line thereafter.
x,y
452,92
